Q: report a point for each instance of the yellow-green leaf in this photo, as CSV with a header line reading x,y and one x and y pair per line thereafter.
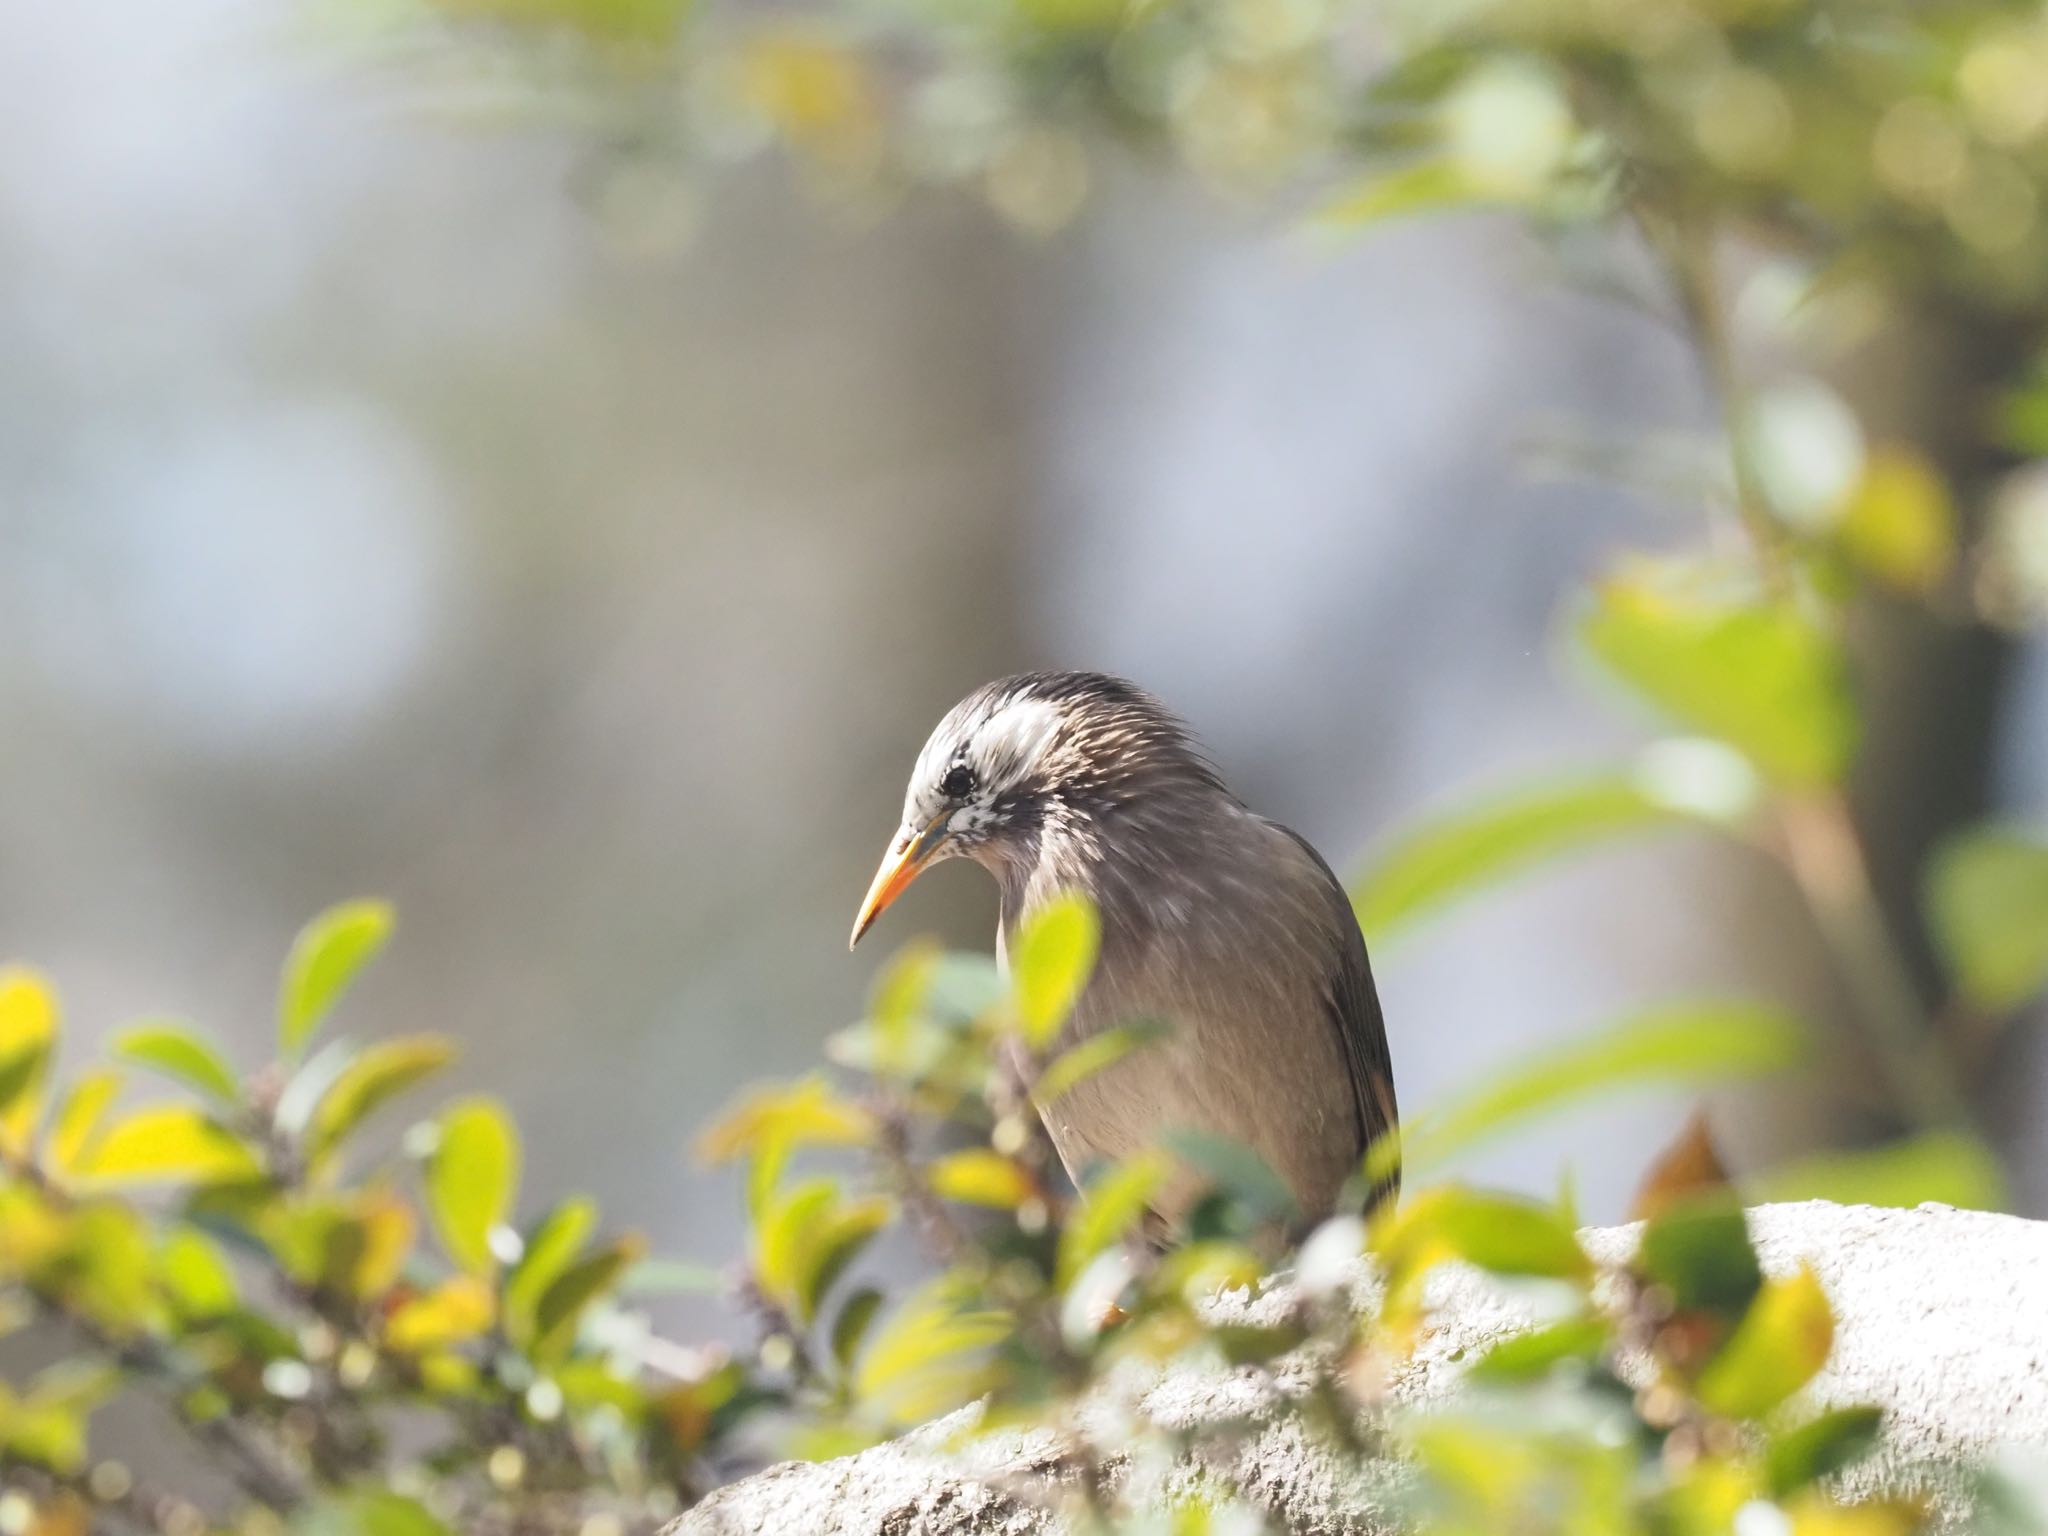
x,y
368,1250
1763,678
374,1512
770,1123
1111,1206
380,1074
786,1115
177,1050
1950,1167
930,1354
354,1244
1099,1051
563,1303
1530,1356
1780,1344
551,1250
1508,1234
28,1036
1899,523
78,1117
324,961
1050,960
472,1177
46,1424
980,1176
166,1143
195,1277
1441,862
1821,1447
1987,900
1688,1043
1421,186
459,1308
806,1236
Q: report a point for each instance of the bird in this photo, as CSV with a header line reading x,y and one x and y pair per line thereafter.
x,y
1225,926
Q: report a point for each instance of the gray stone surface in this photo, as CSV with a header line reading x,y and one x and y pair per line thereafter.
x,y
1942,1321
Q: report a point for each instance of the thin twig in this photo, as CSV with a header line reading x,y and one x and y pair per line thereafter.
x,y
1824,853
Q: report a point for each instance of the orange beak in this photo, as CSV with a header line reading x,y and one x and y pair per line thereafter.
x,y
903,863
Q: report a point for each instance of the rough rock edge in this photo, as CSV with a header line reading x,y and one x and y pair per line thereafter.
x,y
1942,1321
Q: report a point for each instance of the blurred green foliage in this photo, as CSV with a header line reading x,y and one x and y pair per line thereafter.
x,y
354,1338
362,1339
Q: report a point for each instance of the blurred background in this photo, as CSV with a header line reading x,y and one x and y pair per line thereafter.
x,y
391,504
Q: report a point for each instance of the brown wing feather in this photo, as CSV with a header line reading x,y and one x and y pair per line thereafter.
x,y
1354,1003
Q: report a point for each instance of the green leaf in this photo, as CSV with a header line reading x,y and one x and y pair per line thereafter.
x,y
472,1177
1442,862
1423,186
368,1513
549,1251
1764,679
1700,1251
46,1424
902,1043
366,1084
1234,1169
179,1051
1950,1167
964,987
194,1275
1113,1203
1688,1043
1051,959
671,1277
1101,1050
851,1325
1530,1356
1987,901
28,1038
1821,1447
769,1123
563,1303
355,1243
324,961
806,1237
931,1354
166,1143
1507,1234
1780,1345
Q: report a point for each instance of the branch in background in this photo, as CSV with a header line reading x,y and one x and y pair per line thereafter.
x,y
1824,853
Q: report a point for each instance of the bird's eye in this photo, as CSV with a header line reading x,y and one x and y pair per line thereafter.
x,y
958,783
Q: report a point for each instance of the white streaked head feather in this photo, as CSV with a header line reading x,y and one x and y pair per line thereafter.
x,y
1001,745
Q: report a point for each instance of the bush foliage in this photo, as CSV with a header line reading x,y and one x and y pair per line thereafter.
x,y
357,1338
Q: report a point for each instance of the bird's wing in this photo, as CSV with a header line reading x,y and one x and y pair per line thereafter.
x,y
1354,1008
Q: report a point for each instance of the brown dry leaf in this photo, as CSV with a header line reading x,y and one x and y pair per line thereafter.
x,y
1689,1165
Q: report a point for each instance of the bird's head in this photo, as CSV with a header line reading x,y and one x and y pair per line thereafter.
x,y
1025,756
